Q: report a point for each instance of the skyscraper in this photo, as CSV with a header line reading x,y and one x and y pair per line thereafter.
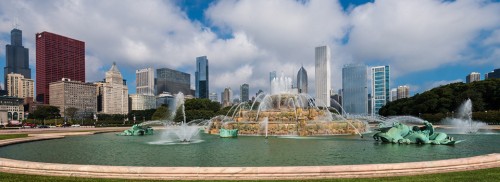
x,y
226,98
394,94
201,77
302,80
244,92
213,97
145,81
17,57
258,93
403,92
355,94
114,93
472,77
322,73
380,88
57,57
172,81
493,74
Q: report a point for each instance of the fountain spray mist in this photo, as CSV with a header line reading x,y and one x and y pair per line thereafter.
x,y
463,123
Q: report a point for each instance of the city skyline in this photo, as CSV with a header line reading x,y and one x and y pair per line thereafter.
x,y
242,54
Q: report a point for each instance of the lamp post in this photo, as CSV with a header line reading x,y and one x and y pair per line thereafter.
x,y
96,119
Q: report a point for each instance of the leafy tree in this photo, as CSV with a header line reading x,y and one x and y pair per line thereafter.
x,y
197,109
139,115
441,101
179,117
71,112
225,111
161,113
46,112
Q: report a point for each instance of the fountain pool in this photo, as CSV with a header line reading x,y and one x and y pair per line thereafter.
x,y
109,149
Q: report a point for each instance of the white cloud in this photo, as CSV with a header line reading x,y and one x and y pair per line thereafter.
x,y
493,39
236,77
285,31
418,35
434,84
264,35
94,68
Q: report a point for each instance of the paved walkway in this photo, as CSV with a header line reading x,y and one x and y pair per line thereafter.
x,y
61,130
235,173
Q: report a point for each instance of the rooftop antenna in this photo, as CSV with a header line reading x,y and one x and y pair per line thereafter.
x,y
16,19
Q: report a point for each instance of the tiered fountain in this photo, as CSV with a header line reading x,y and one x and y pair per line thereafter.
x,y
284,112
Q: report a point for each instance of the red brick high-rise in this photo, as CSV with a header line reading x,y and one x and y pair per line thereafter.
x,y
57,57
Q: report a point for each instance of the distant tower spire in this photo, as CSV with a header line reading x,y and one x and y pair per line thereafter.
x,y
16,22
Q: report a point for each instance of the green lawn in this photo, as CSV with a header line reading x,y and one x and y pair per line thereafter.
x,y
9,136
467,176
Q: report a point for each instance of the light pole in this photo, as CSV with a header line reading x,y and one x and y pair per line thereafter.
x,y
96,119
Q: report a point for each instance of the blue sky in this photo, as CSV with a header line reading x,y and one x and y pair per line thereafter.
x,y
426,43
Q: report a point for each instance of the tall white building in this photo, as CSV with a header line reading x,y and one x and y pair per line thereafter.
x,y
18,86
145,81
114,93
380,87
322,73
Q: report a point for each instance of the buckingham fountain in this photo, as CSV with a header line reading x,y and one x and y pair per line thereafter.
x,y
282,128
284,112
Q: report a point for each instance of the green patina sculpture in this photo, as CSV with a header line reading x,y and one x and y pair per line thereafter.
x,y
137,130
226,133
401,133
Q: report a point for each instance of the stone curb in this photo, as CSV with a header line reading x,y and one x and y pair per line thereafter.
x,y
240,173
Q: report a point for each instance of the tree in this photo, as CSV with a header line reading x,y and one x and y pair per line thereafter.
x,y
179,117
161,113
140,114
46,112
440,101
71,112
197,109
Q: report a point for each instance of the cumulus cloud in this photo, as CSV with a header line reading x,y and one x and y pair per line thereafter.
x,y
133,34
418,35
286,31
261,36
431,85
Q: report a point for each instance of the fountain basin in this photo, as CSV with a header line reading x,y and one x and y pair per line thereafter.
x,y
109,149
242,172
